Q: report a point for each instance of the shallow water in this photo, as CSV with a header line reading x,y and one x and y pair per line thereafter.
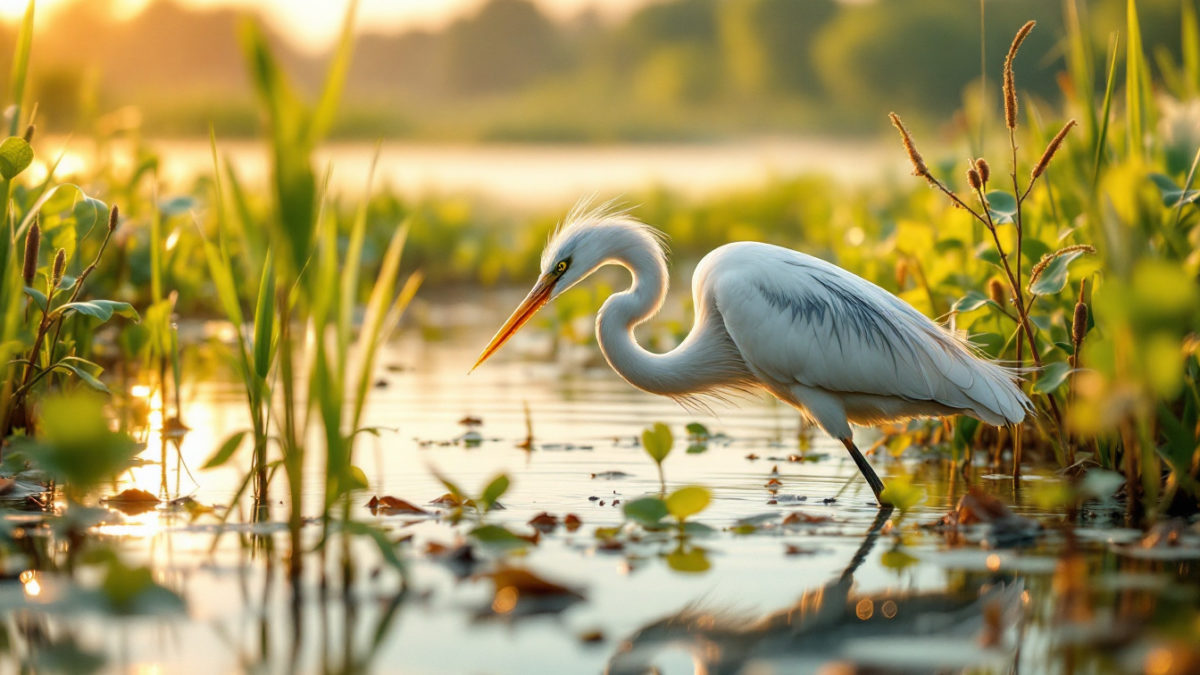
x,y
905,598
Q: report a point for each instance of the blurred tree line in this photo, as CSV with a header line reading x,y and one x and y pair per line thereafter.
x,y
508,71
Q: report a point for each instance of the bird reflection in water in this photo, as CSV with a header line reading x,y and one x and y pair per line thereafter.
x,y
831,629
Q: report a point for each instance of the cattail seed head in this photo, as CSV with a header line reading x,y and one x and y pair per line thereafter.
x,y
113,217
974,179
985,171
995,291
29,132
33,242
60,264
1052,148
1010,87
918,163
1036,272
1079,323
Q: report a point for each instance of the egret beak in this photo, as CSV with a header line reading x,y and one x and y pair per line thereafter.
x,y
523,313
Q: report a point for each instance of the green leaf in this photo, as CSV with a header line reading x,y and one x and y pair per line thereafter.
x,y
1002,206
225,452
901,493
648,511
688,501
15,157
86,371
264,318
100,309
357,478
1172,194
497,537
986,252
657,442
698,431
697,448
39,298
492,492
972,301
386,548
897,559
1054,276
1052,377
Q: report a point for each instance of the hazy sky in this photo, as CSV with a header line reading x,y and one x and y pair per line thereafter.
x,y
314,23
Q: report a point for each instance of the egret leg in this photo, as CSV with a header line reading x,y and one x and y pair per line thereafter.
x,y
865,468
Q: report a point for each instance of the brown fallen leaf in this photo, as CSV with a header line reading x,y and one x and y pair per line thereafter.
x,y
798,517
752,457
544,522
795,458
591,636
572,522
516,586
792,549
774,482
132,501
447,500
469,421
389,505
6,485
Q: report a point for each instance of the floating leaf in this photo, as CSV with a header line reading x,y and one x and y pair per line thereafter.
x,y
647,511
688,501
389,505
698,431
1002,206
697,448
498,537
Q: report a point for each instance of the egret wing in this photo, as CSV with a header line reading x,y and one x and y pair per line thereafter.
x,y
799,319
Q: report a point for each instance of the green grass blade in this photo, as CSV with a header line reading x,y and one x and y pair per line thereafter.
x,y
1079,60
1105,115
1190,46
264,319
20,69
358,233
335,80
373,329
1135,87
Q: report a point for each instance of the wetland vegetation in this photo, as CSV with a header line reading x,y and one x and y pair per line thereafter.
x,y
237,433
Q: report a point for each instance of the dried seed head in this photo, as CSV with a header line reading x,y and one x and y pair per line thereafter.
x,y
985,171
901,272
919,168
1079,321
1010,87
60,264
33,242
995,291
113,217
29,133
1040,267
974,179
1052,148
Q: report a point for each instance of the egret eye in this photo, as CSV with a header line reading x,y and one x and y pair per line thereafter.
x,y
560,267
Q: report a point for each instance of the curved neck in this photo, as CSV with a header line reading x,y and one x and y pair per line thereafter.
x,y
694,367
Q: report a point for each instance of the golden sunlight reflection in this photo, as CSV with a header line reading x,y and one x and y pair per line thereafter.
x,y
865,609
993,562
33,588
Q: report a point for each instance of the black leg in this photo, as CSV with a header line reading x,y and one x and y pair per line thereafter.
x,y
865,468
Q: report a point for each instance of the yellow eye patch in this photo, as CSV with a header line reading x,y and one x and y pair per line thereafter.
x,y
561,267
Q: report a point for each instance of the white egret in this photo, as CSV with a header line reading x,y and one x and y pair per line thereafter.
x,y
833,345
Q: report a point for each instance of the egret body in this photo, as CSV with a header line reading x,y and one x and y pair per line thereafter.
x,y
833,345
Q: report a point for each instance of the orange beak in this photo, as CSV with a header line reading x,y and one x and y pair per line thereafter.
x,y
523,313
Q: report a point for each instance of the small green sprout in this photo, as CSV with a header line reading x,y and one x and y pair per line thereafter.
x,y
657,442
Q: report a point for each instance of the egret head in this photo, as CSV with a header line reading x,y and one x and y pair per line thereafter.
x,y
587,239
